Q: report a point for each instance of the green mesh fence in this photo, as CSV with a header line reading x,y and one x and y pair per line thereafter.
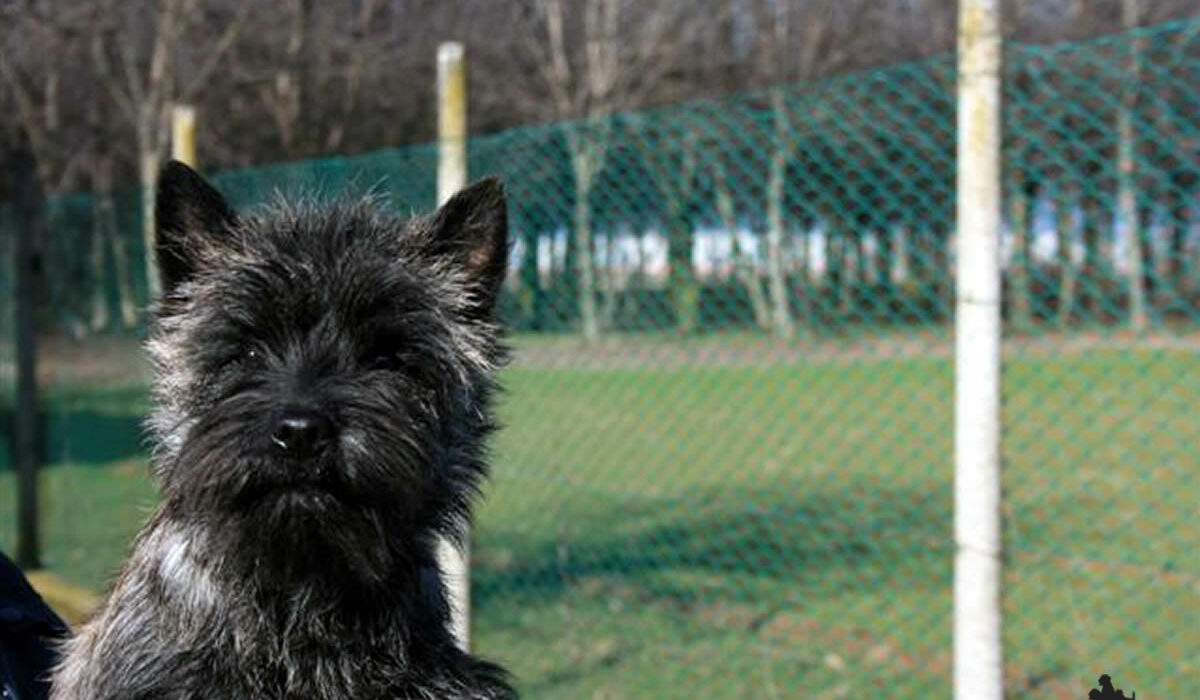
x,y
726,469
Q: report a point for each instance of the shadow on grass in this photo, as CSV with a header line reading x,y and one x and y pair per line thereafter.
x,y
734,540
711,572
91,429
91,438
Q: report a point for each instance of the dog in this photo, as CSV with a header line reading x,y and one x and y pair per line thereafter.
x,y
323,388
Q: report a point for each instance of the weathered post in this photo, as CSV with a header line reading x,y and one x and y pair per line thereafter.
x,y
27,209
452,177
978,659
183,134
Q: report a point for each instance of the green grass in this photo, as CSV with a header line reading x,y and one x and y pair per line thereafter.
x,y
786,531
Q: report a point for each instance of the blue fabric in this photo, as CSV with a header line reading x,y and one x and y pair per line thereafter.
x,y
28,632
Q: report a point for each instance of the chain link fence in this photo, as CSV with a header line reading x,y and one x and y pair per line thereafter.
x,y
726,464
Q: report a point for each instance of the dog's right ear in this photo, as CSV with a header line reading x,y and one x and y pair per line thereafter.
x,y
471,229
189,213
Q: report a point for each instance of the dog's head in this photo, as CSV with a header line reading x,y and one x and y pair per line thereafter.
x,y
323,372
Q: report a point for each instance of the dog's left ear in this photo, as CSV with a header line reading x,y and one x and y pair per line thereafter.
x,y
472,230
189,214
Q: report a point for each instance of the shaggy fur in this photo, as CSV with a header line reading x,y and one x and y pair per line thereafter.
x,y
269,571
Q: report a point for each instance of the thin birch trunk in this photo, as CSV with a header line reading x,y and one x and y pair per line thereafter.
x,y
1064,225
101,214
743,265
781,313
584,264
1127,174
1020,216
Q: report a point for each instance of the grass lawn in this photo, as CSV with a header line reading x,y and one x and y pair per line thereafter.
x,y
780,531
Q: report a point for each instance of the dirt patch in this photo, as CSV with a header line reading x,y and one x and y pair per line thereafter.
x,y
632,352
104,360
97,361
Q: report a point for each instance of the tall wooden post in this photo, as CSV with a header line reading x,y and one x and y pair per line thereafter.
x,y
28,212
452,177
978,657
183,134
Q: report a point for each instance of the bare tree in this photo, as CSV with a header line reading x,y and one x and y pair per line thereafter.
x,y
351,52
281,97
670,154
590,97
798,41
144,78
306,78
41,46
105,236
744,267
1127,196
783,145
76,143
594,57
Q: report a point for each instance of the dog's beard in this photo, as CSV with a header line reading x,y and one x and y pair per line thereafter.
x,y
307,533
350,515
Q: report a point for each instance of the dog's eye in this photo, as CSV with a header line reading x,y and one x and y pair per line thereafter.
x,y
240,357
251,357
384,361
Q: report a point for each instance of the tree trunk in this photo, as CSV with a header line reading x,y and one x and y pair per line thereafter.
x,y
639,265
833,265
943,276
887,244
1152,268
562,269
532,296
1021,218
584,266
102,210
608,311
743,266
1089,276
587,151
127,298
1064,219
900,269
105,231
781,313
148,165
861,261
804,277
848,265
1179,270
1127,174
685,292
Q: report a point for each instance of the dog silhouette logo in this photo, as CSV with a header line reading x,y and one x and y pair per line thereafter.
x,y
1106,692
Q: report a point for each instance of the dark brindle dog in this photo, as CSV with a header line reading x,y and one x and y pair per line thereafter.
x,y
322,397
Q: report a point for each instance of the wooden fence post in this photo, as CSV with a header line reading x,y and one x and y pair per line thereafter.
x,y
183,134
452,177
978,653
28,218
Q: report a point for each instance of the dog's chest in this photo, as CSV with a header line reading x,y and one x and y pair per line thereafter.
x,y
312,667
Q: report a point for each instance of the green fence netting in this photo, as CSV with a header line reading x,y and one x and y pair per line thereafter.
x,y
726,463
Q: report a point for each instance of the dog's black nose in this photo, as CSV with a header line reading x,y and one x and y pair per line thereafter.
x,y
300,433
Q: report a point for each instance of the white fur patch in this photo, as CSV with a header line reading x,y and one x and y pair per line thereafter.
x,y
185,578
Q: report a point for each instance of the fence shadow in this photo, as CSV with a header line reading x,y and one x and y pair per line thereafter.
x,y
91,429
797,538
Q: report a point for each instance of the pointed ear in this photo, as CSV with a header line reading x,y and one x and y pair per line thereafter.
x,y
472,229
188,212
